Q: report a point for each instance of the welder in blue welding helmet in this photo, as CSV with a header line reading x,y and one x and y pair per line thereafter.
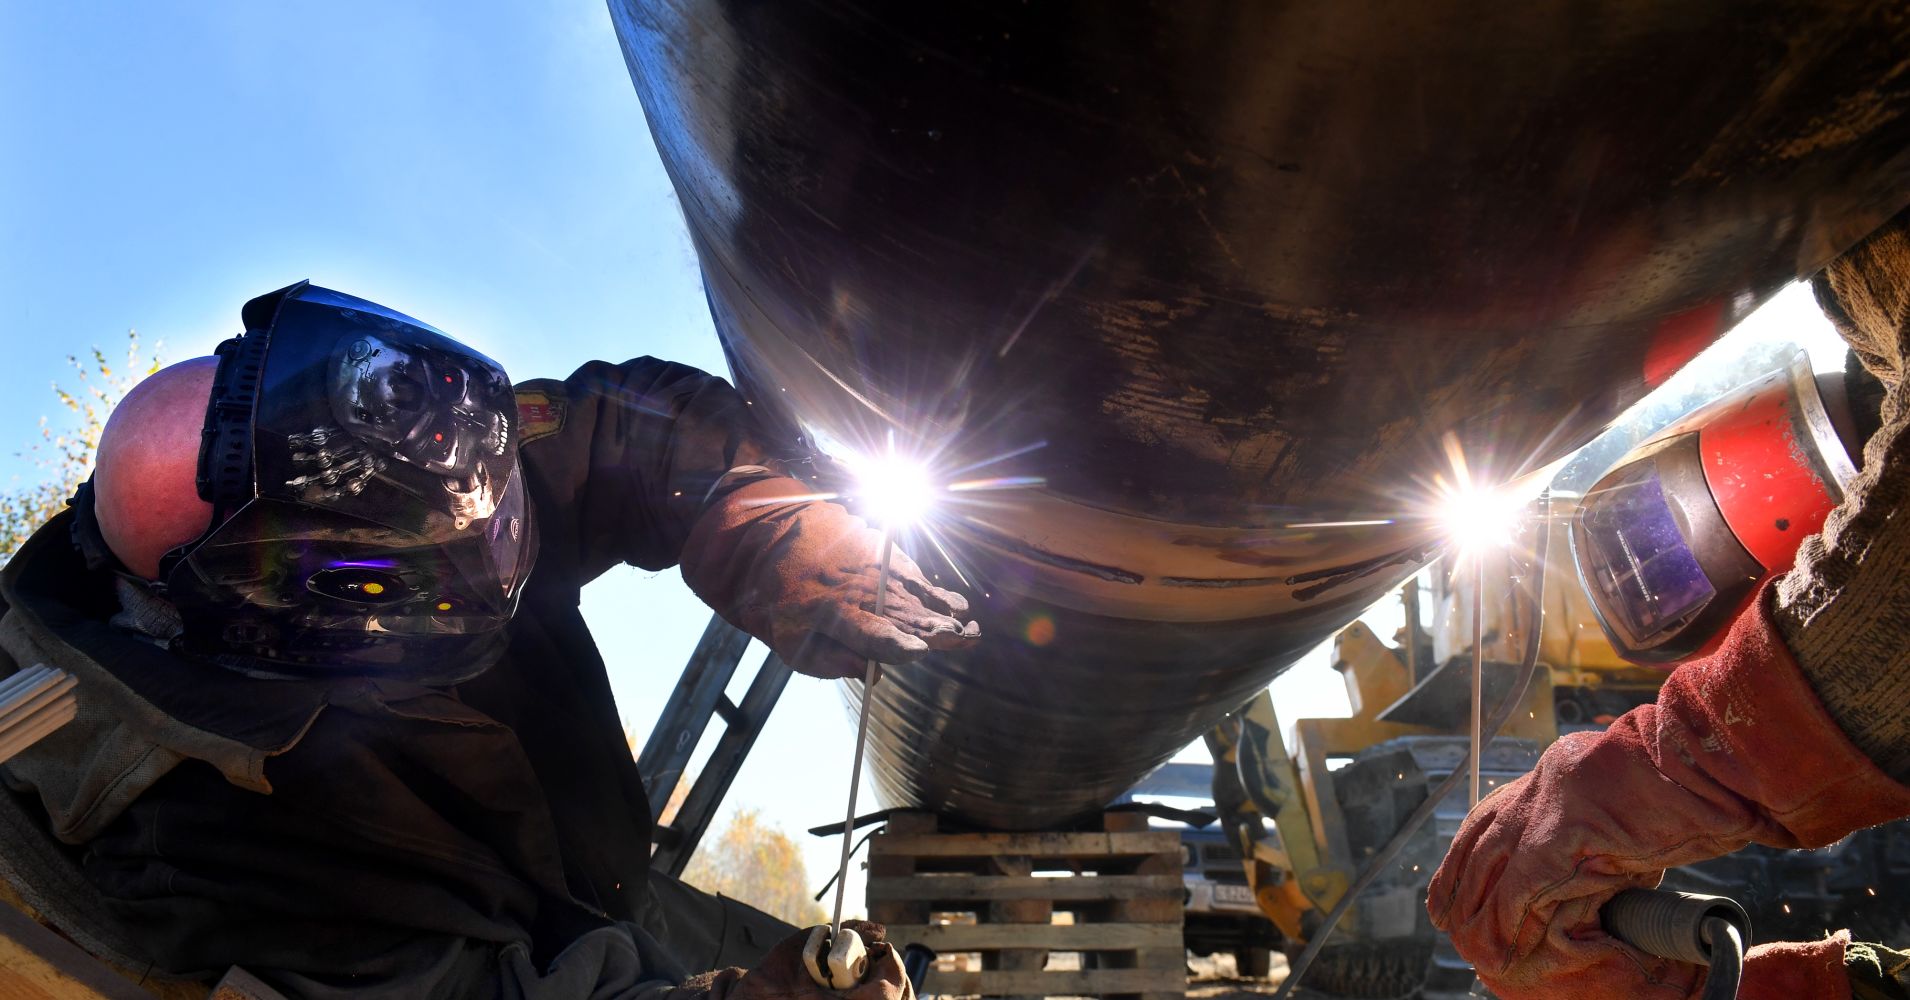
x,y
369,509
341,719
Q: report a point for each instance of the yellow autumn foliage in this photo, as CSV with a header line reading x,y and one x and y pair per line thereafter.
x,y
64,452
756,862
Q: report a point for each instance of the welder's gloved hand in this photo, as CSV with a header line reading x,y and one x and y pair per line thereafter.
x,y
1797,970
781,975
1834,968
800,574
1738,749
1876,972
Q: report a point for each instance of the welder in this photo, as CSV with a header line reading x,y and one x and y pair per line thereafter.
x,y
1786,722
341,721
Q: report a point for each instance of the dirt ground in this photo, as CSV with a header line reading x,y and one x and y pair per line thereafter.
x,y
1215,978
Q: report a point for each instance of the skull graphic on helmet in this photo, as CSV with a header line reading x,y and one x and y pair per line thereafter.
x,y
371,514
427,407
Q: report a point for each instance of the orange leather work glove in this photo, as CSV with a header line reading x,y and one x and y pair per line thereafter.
x,y
1737,749
1793,970
781,975
800,574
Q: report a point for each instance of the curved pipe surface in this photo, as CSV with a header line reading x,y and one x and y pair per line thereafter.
x,y
1246,273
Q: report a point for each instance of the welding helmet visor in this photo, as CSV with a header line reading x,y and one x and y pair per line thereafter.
x,y
370,515
1673,541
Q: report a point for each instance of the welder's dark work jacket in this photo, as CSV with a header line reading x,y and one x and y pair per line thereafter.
x,y
378,835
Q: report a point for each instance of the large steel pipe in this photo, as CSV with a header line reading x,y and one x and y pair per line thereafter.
x,y
1245,269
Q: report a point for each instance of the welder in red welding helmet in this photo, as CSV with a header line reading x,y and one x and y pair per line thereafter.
x,y
1746,549
1676,538
1675,545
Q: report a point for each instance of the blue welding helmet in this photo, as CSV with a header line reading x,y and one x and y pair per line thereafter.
x,y
369,512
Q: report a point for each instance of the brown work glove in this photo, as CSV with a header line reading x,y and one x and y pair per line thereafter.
x,y
1833,968
781,975
800,574
1737,749
1797,970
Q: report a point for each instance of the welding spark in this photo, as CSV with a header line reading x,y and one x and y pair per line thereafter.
x,y
997,483
934,539
1025,449
798,498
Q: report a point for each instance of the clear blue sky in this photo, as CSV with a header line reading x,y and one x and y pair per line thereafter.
x,y
482,166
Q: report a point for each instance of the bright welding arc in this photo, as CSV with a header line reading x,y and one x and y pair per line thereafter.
x,y
1434,796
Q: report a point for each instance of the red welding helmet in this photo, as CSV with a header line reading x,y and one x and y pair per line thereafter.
x,y
1675,539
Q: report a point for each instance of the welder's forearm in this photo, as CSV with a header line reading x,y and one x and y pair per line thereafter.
x,y
1844,609
715,445
1865,293
681,431
641,449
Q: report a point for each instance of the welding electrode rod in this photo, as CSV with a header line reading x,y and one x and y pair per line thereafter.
x,y
1478,665
37,727
862,738
52,686
22,680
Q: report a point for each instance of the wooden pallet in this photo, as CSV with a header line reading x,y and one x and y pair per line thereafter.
x,y
1118,892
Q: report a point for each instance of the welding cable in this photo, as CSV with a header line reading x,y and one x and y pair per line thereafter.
x,y
1727,960
1500,716
826,886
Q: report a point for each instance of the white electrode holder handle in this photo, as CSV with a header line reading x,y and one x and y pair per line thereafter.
x,y
838,964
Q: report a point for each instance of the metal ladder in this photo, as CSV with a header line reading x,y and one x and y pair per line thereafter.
x,y
697,699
